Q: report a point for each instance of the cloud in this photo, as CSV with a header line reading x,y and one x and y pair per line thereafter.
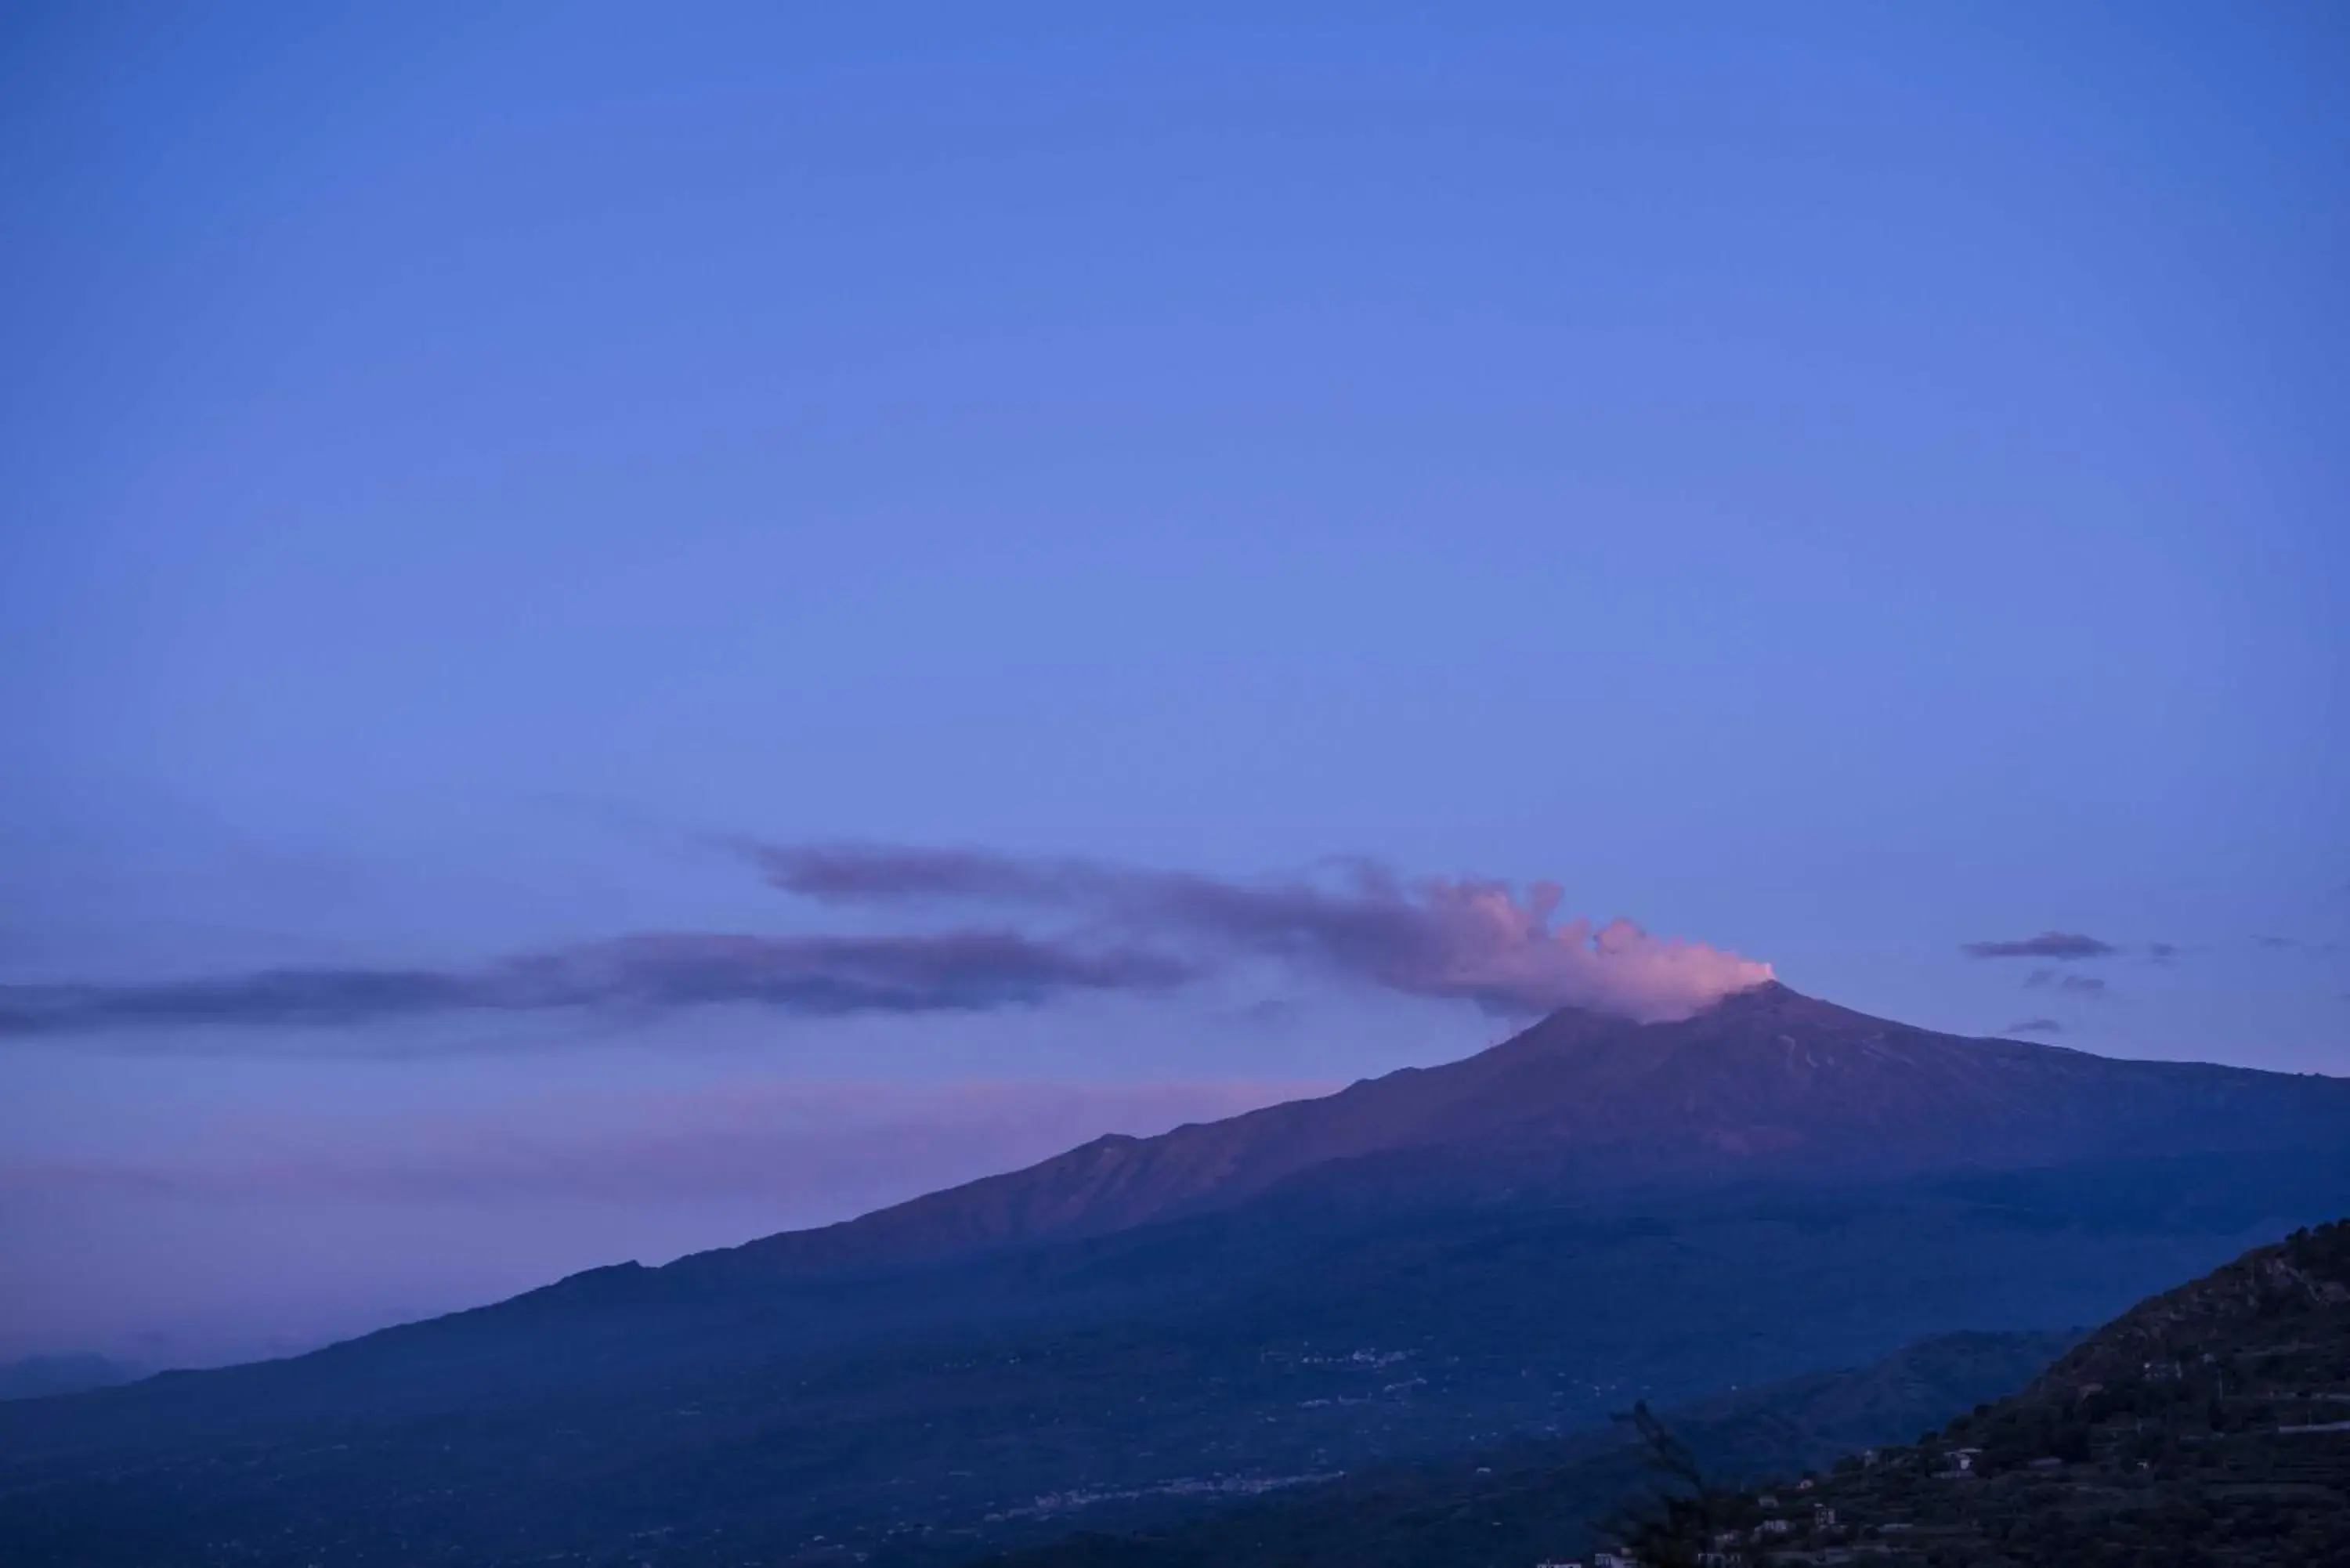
x,y
1482,940
843,873
2061,946
2034,1026
2163,953
1080,926
2295,945
951,970
2070,984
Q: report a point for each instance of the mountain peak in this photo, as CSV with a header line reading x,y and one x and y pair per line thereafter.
x,y
1779,999
1769,998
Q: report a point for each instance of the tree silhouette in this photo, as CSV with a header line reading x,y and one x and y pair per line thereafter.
x,y
1674,1526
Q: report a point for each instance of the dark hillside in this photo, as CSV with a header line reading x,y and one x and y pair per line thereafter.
x,y
1514,1505
2208,1427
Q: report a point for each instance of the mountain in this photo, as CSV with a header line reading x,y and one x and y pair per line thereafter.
x,y
1767,1083
1507,1248
1509,1506
2208,1426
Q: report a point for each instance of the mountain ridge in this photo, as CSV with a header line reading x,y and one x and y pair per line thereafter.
x,y
1511,1244
1768,1081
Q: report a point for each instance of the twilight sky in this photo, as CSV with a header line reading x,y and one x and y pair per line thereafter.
x,y
623,627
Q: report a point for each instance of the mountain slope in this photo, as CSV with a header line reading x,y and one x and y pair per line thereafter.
x,y
2208,1427
1768,1083
650,1418
1510,1506
1515,1244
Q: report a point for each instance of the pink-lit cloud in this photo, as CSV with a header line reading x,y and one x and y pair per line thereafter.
x,y
1487,941
1058,927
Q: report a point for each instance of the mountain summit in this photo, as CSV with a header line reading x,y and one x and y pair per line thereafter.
x,y
1766,1082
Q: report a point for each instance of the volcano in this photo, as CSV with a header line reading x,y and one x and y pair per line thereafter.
x,y
1515,1243
1768,1083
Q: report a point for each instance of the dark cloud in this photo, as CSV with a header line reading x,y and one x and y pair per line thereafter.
x,y
2295,945
1070,926
2163,953
2070,984
842,873
2034,1026
953,971
2061,946
1486,941
1271,1010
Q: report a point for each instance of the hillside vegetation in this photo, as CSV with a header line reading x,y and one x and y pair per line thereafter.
x,y
2208,1428
1513,1505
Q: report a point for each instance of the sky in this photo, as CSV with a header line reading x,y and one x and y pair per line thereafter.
x,y
623,627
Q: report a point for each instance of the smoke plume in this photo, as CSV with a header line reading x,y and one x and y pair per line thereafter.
x,y
1481,940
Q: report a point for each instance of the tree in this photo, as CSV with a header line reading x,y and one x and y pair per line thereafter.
x,y
1675,1524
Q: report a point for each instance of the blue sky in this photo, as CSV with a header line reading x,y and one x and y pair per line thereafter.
x,y
1833,485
